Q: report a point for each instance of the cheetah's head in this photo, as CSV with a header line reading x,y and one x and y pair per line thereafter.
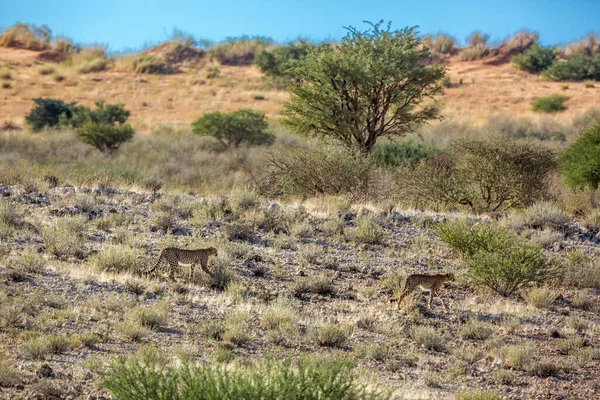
x,y
450,276
213,251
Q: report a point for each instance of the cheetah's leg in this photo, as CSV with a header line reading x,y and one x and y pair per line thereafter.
x,y
191,272
430,298
402,296
172,270
444,304
204,266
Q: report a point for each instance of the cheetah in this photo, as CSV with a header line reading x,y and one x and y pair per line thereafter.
x,y
433,282
175,257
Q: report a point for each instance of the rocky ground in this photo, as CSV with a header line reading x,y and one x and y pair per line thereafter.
x,y
289,280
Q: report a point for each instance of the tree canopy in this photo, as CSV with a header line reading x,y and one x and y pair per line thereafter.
x,y
373,84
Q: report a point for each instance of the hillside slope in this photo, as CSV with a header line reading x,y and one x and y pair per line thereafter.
x,y
476,91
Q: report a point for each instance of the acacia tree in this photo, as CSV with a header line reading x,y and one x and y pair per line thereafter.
x,y
370,85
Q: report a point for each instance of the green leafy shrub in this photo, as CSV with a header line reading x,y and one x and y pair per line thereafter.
x,y
149,377
578,67
105,137
233,129
580,162
276,62
550,104
535,59
47,113
495,258
111,114
407,152
104,128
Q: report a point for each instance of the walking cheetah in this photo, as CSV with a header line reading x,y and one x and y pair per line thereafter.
x,y
175,257
432,282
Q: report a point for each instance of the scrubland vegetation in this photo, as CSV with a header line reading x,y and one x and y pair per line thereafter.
x,y
315,231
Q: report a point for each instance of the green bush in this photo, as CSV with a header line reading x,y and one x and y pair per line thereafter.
x,y
580,162
578,67
468,238
407,152
111,114
47,113
535,59
495,258
147,376
232,129
550,104
276,62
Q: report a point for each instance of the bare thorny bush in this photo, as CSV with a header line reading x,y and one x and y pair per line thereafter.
x,y
329,170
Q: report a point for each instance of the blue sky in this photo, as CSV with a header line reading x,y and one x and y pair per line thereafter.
x,y
122,24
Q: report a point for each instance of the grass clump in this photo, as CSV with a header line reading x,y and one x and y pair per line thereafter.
x,y
550,104
330,335
306,378
152,317
10,375
368,231
29,261
131,330
118,258
145,64
540,297
427,337
65,237
474,330
546,215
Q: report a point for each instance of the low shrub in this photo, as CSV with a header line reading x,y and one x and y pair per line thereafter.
x,y
577,67
546,215
323,171
550,104
47,113
332,335
397,154
497,259
276,62
541,297
427,337
535,59
65,237
443,44
307,378
10,375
